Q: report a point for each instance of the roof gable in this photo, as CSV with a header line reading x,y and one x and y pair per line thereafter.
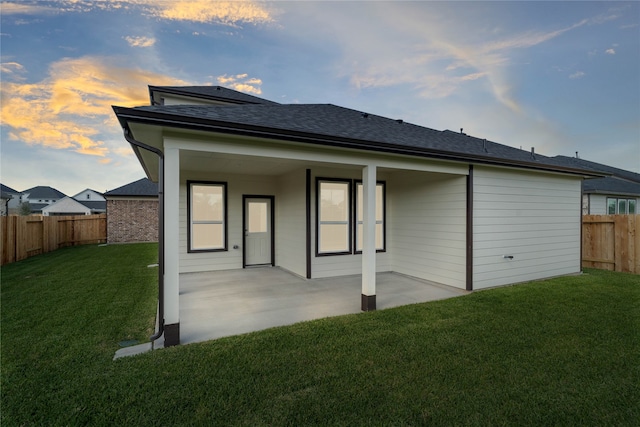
x,y
44,192
64,205
210,93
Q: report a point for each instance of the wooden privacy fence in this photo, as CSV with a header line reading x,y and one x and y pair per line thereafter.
x,y
611,242
26,236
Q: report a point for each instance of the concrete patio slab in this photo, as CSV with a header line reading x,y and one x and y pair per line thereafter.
x,y
219,304
232,302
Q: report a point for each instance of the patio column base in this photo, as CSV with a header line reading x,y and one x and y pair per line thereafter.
x,y
368,302
171,334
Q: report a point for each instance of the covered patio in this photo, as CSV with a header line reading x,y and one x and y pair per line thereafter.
x,y
223,303
217,304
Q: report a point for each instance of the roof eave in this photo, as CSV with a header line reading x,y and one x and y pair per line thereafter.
x,y
612,193
126,115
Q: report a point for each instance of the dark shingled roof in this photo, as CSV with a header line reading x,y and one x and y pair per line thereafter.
x,y
621,182
335,123
37,207
143,187
599,167
611,185
93,204
44,192
214,93
5,189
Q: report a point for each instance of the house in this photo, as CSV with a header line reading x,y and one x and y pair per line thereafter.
x,y
323,191
8,196
616,193
40,197
87,202
132,212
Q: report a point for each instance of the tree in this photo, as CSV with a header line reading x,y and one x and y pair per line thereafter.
x,y
25,209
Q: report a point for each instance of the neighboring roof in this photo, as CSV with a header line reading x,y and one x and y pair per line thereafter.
x,y
599,167
328,124
65,205
93,205
213,93
43,192
612,186
620,182
87,189
5,189
37,207
143,187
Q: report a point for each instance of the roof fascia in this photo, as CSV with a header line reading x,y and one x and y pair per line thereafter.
x,y
126,115
612,193
160,89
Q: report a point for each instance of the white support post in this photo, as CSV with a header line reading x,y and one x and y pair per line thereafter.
x,y
171,246
369,238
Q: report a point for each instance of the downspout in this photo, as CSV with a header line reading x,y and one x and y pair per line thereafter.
x,y
132,141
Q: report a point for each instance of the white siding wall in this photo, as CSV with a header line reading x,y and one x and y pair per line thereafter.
x,y
428,231
237,185
597,204
533,216
340,265
291,226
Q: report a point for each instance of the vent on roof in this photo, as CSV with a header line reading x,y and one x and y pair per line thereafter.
x,y
364,115
400,121
533,153
484,145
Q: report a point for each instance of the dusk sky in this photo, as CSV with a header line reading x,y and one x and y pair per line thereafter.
x,y
558,76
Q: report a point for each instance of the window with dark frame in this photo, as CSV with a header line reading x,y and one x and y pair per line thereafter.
x,y
334,216
340,217
207,212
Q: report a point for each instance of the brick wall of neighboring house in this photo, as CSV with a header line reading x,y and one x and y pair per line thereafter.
x,y
132,220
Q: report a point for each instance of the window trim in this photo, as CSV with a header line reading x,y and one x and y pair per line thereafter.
x,y
225,222
349,183
384,216
626,200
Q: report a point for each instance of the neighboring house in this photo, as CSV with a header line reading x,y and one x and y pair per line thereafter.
x,y
93,200
132,212
9,198
618,193
87,202
324,191
40,197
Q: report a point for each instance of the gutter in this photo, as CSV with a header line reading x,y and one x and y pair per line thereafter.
x,y
138,144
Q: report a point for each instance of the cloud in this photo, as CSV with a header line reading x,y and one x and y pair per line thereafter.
x,y
439,54
577,75
610,51
242,83
10,8
11,67
71,108
229,13
209,11
140,41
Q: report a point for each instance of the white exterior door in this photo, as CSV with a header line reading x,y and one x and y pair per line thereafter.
x,y
257,231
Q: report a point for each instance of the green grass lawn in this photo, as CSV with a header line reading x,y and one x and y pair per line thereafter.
x,y
559,352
